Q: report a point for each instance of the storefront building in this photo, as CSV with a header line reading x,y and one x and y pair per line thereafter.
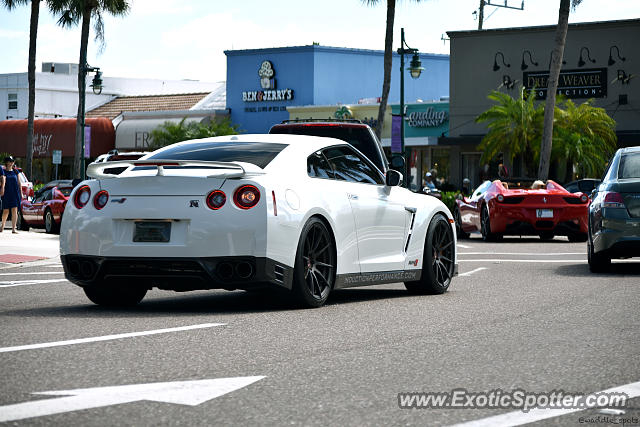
x,y
601,61
262,84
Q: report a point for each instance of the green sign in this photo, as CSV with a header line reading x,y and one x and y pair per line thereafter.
x,y
424,119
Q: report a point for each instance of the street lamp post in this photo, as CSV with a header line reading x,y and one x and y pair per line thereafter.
x,y
96,86
415,68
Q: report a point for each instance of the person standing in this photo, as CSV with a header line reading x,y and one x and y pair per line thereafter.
x,y
12,195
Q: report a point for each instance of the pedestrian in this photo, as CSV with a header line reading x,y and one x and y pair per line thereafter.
x,y
11,194
466,187
503,172
429,183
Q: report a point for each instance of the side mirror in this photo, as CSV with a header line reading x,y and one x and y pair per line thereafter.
x,y
393,178
397,162
593,193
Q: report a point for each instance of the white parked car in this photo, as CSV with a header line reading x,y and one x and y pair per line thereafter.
x,y
301,213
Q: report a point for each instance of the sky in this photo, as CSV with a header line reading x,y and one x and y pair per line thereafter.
x,y
186,39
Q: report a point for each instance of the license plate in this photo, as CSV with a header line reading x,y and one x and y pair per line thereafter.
x,y
544,213
152,232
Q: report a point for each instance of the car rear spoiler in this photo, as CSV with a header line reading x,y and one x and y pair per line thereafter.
x,y
223,169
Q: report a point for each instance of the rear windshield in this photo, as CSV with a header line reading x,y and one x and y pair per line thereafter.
x,y
257,153
629,166
358,136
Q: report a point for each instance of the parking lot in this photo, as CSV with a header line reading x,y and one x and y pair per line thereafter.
x,y
522,314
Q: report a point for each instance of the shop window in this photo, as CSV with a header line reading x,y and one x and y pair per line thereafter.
x,y
440,166
13,101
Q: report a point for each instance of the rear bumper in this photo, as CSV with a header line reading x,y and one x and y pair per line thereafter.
x,y
178,274
618,238
523,220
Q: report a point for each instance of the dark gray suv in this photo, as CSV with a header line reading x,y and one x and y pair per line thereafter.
x,y
614,213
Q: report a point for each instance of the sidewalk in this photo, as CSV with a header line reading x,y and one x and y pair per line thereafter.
x,y
34,243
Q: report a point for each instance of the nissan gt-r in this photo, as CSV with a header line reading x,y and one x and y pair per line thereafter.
x,y
299,213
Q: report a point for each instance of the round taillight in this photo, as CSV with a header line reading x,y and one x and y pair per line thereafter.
x,y
82,196
584,198
216,199
500,198
246,197
100,200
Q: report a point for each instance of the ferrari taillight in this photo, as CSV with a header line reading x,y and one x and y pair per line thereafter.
x,y
246,197
82,196
584,198
100,199
500,198
216,199
613,200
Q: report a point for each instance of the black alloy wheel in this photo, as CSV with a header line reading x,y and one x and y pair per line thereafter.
x,y
485,226
438,262
460,233
115,294
598,262
315,265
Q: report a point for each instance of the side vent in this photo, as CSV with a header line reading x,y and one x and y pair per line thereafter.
x,y
278,272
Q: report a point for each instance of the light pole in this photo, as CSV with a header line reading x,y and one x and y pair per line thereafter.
x,y
415,68
96,86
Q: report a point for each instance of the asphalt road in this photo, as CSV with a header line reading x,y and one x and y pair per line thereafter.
x,y
523,314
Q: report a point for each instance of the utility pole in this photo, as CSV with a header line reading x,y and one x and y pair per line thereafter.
x,y
481,14
488,3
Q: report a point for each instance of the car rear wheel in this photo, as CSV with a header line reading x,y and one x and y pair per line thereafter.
x,y
578,237
485,226
50,225
546,235
438,259
115,295
598,262
315,265
21,224
458,219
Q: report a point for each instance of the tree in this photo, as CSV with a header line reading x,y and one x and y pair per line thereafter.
x,y
514,127
585,138
84,11
172,132
552,86
388,60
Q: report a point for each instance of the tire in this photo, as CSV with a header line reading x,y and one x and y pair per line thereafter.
x,y
546,235
438,259
21,224
598,262
118,295
578,237
485,226
50,225
460,233
314,271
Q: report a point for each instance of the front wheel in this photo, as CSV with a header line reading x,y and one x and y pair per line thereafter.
x,y
598,262
458,219
115,295
315,265
578,237
21,224
438,259
50,225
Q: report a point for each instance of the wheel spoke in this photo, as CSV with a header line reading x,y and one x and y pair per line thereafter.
x,y
445,258
324,279
324,248
447,245
322,264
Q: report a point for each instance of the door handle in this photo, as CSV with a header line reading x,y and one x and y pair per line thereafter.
x,y
410,209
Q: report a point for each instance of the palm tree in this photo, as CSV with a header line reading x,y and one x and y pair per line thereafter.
x,y
585,137
514,127
388,59
31,74
83,11
554,74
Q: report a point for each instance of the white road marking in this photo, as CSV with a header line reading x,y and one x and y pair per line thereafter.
x,y
108,337
190,393
31,273
29,282
463,246
522,253
541,261
469,273
517,418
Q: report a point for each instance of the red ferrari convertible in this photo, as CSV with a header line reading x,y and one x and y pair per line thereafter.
x,y
517,208
46,208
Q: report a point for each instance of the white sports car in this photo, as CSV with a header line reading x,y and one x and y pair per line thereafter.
x,y
300,213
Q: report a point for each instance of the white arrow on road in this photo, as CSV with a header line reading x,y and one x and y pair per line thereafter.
x,y
190,393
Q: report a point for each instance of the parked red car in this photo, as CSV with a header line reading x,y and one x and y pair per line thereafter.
x,y
514,208
46,208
